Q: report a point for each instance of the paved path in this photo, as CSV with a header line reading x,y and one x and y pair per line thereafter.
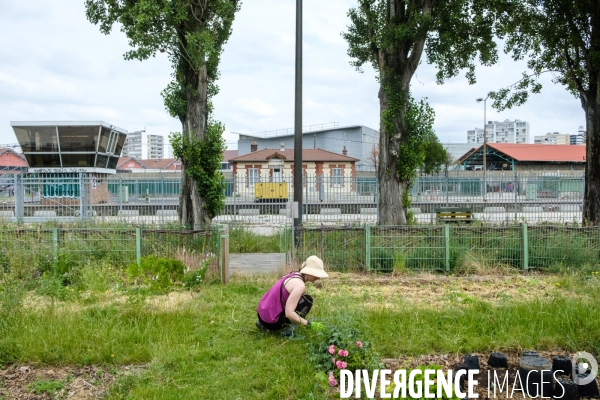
x,y
263,263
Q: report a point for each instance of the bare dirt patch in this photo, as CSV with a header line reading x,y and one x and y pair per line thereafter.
x,y
25,382
428,289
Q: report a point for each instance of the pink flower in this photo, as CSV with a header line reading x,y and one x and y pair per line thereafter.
x,y
332,349
343,353
332,380
359,344
333,360
341,365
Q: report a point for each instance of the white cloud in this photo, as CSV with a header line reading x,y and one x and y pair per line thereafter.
x,y
55,65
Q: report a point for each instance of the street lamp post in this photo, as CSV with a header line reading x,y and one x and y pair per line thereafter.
x,y
479,100
298,127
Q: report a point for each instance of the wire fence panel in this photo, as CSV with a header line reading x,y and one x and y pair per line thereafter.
x,y
340,249
21,248
405,247
61,249
473,248
565,246
114,246
469,249
190,247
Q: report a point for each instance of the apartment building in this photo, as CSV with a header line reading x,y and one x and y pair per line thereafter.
x,y
156,146
506,131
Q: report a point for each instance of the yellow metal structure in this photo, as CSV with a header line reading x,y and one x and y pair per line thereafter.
x,y
271,190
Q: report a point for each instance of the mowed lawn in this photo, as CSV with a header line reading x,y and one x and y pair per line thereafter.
x,y
203,344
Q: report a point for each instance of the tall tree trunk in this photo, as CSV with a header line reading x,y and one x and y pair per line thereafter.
x,y
591,203
391,187
397,66
191,204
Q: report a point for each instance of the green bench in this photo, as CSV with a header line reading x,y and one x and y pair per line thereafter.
x,y
453,214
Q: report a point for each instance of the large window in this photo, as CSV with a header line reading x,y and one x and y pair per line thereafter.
x,y
337,177
253,176
37,138
78,138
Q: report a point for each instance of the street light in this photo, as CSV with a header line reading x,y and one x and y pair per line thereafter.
x,y
479,100
298,127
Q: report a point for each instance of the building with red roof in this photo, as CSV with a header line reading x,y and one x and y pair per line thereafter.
x,y
526,157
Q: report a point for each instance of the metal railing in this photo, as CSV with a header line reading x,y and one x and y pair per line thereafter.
x,y
153,198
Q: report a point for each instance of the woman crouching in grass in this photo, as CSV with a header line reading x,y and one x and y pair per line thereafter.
x,y
286,305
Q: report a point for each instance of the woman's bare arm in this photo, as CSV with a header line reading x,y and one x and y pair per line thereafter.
x,y
296,288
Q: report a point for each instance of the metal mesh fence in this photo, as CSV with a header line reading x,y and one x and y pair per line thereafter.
x,y
485,247
153,198
405,247
449,248
565,246
49,248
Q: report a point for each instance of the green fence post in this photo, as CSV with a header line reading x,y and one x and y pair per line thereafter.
x,y
138,246
524,247
447,247
368,247
218,231
285,241
55,245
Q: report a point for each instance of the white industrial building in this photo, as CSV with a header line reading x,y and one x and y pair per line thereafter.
x,y
355,141
133,145
156,146
501,132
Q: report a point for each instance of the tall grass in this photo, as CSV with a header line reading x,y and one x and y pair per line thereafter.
x,y
244,240
208,347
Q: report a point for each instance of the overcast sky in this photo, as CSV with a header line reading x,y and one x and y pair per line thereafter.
x,y
56,66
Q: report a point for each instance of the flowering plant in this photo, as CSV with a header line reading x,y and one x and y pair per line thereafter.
x,y
342,348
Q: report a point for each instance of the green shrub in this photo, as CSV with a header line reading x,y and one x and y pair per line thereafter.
x,y
195,278
159,274
54,286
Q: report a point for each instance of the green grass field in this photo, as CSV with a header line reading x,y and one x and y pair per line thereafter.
x,y
203,343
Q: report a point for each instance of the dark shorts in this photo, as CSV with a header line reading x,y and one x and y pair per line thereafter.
x,y
303,307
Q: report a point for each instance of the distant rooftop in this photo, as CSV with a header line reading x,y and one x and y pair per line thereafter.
x,y
290,131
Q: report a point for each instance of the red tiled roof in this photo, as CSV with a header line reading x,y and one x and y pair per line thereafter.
x,y
538,152
127,160
158,163
288,155
10,158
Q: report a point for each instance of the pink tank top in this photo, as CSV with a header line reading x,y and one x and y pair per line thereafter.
x,y
272,304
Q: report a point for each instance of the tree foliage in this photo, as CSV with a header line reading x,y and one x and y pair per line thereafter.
x,y
201,165
391,35
561,38
192,33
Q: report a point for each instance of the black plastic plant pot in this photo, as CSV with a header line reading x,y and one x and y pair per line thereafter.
x,y
471,361
498,360
590,389
565,389
536,376
562,365
463,379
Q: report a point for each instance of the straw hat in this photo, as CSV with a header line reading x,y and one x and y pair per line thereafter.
x,y
314,266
